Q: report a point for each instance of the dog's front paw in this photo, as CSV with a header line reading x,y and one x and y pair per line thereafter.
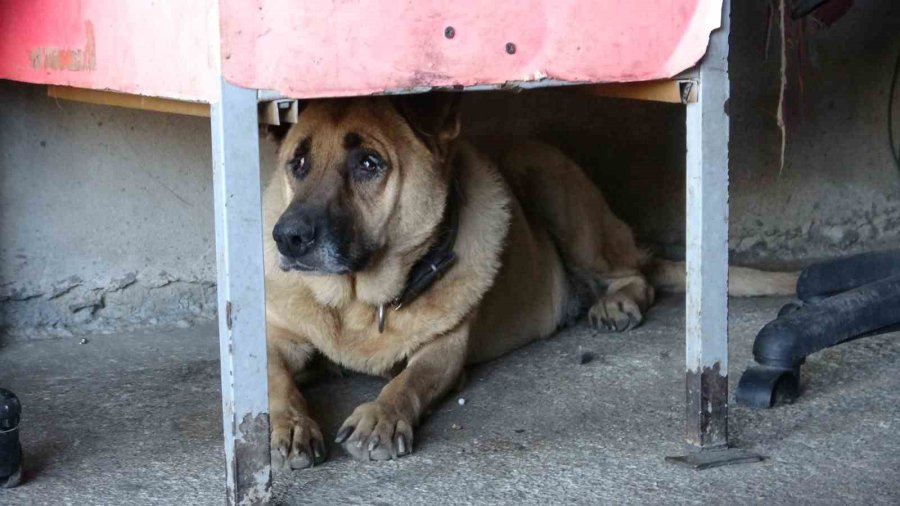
x,y
615,313
376,431
297,441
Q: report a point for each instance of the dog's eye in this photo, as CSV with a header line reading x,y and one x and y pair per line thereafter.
x,y
299,163
370,165
371,162
298,166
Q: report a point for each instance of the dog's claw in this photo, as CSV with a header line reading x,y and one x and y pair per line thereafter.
x,y
374,441
319,451
607,324
302,458
401,445
615,313
296,441
379,433
311,454
343,434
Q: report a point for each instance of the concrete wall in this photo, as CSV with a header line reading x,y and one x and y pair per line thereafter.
x,y
106,214
838,191
105,217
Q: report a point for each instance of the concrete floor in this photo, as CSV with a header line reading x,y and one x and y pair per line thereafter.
x,y
134,419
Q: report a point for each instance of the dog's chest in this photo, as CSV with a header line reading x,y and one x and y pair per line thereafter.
x,y
353,340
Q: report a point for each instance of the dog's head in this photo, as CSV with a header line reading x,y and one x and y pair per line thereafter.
x,y
364,177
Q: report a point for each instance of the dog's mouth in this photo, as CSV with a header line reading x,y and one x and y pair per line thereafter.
x,y
291,264
288,264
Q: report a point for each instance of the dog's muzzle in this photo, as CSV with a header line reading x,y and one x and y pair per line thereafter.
x,y
295,235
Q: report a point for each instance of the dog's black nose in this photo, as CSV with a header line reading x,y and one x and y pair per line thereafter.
x,y
294,235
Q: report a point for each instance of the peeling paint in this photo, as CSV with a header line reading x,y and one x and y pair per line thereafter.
x,y
71,306
868,227
76,60
65,286
94,302
252,468
17,294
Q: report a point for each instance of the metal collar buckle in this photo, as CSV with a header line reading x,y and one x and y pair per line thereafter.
x,y
382,313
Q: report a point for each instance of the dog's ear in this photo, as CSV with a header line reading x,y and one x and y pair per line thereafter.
x,y
433,117
275,133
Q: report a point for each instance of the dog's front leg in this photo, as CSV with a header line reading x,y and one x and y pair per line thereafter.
x,y
383,429
297,441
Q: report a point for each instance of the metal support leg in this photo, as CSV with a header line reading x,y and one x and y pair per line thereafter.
x,y
706,330
241,291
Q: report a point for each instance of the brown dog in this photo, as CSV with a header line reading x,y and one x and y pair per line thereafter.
x,y
377,202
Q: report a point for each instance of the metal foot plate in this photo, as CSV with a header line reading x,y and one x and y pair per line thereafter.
x,y
706,459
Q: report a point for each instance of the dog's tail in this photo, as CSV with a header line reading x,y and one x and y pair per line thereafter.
x,y
668,276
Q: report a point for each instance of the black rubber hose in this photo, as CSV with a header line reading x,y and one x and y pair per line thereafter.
x,y
786,341
836,276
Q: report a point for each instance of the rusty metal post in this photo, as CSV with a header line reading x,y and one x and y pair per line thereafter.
x,y
706,329
241,287
241,292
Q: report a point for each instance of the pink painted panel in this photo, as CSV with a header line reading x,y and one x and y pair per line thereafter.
x,y
314,48
149,47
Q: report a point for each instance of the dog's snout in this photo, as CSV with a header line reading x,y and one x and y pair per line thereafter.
x,y
295,235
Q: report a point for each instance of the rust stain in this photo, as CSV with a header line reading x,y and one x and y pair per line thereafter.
x,y
76,60
707,407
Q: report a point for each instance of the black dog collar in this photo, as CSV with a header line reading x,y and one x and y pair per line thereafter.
x,y
438,260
